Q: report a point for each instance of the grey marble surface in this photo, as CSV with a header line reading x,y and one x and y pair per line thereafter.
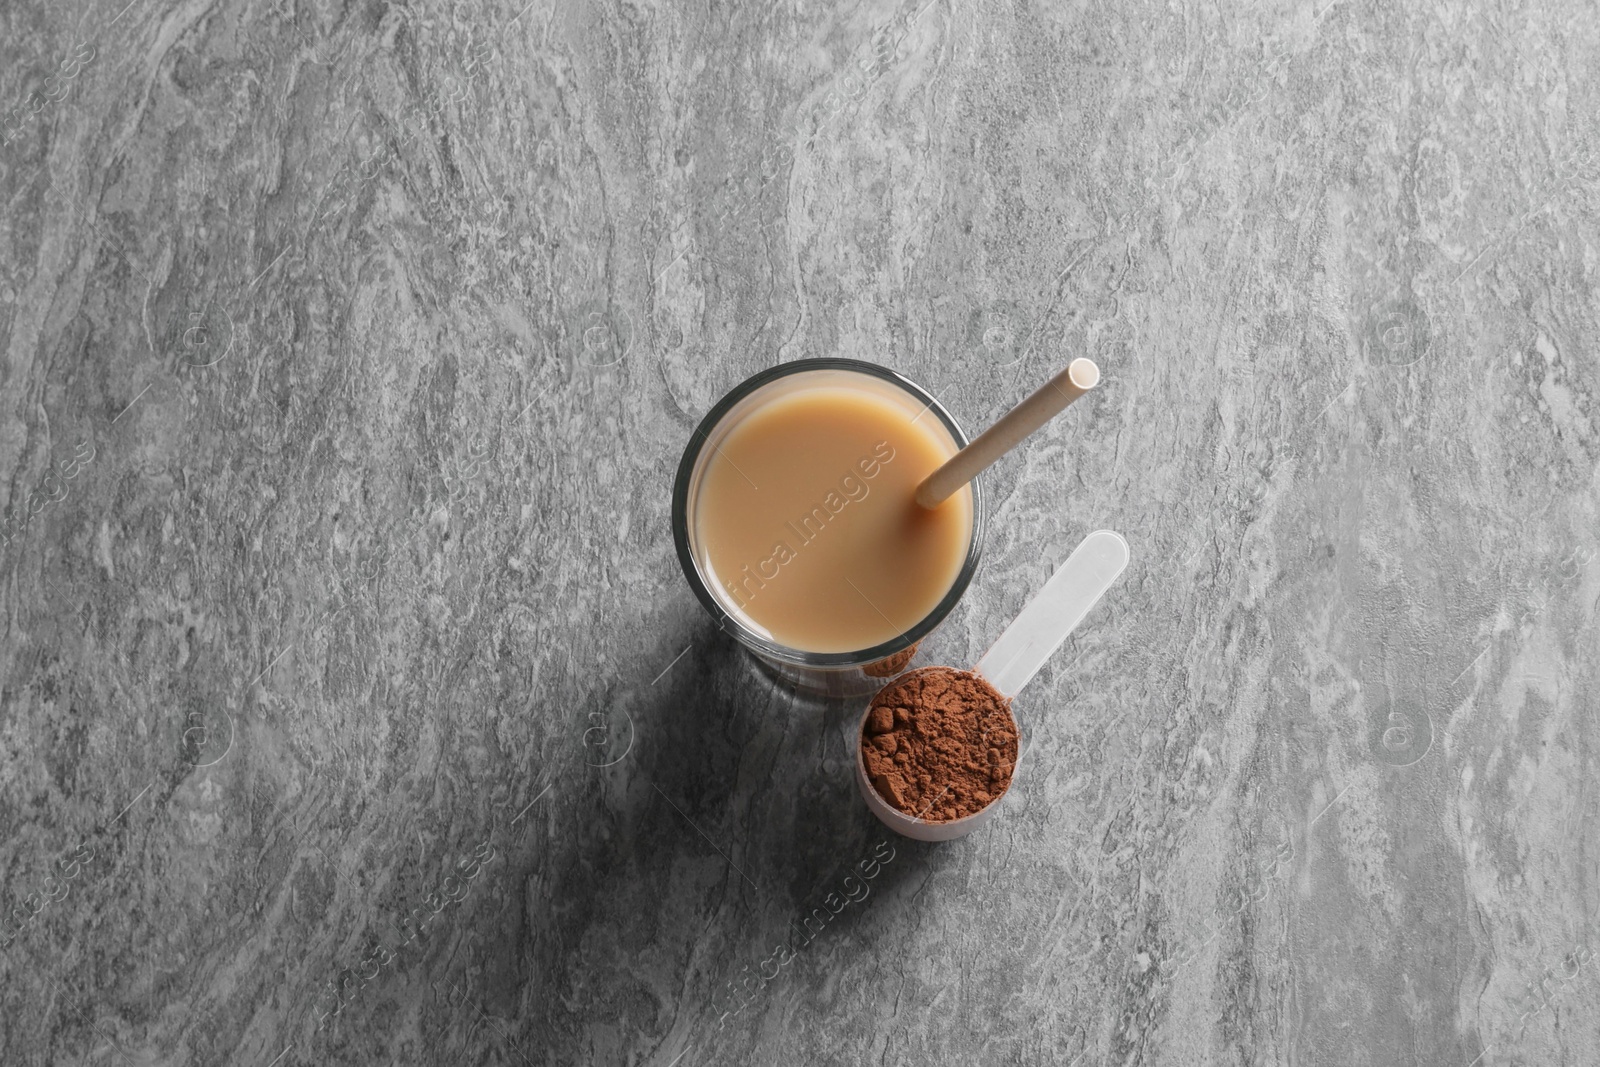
x,y
348,352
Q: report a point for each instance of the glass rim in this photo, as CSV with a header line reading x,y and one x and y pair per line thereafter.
x,y
731,623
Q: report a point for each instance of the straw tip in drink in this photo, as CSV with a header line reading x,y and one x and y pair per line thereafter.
x,y
1084,373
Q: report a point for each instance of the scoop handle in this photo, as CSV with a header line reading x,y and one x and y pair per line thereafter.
x,y
1054,612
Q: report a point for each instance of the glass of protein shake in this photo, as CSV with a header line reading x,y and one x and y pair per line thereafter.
x,y
795,522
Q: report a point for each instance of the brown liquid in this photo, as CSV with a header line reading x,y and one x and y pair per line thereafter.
x,y
805,520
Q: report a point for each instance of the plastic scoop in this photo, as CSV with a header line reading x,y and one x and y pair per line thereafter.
x,y
1045,622
1039,629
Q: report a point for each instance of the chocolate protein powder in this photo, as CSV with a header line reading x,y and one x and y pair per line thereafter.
x,y
891,665
939,743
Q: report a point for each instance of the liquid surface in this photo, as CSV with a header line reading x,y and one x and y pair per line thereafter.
x,y
807,524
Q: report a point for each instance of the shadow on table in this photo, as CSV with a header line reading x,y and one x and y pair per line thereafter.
x,y
713,826
725,761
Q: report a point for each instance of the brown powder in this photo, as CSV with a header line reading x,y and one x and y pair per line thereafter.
x,y
939,743
890,666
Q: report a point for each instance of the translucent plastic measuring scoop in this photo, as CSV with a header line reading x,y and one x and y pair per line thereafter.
x,y
1042,626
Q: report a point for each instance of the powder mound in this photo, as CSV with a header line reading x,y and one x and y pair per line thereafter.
x,y
939,743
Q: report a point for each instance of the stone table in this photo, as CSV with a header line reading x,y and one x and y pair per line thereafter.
x,y
354,710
